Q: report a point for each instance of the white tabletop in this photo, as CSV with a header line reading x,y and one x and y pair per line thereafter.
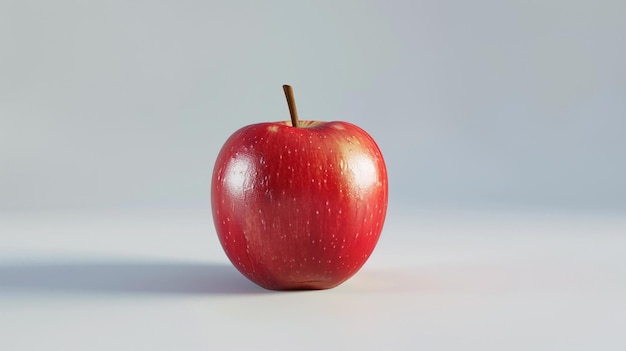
x,y
438,280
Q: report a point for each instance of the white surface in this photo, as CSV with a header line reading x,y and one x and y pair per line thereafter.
x,y
158,280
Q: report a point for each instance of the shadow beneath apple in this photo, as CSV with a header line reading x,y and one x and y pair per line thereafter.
x,y
124,277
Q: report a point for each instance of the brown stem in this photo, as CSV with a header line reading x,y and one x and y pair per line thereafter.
x,y
291,102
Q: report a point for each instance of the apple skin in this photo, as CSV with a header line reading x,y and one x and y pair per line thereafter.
x,y
299,208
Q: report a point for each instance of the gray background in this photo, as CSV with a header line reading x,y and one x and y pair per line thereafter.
x,y
473,103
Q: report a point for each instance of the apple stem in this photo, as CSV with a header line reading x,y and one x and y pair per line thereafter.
x,y
291,102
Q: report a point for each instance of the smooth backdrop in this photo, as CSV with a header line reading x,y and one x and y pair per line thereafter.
x,y
473,103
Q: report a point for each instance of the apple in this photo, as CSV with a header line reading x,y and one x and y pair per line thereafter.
x,y
299,204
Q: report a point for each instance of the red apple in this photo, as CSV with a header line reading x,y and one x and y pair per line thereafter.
x,y
299,204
